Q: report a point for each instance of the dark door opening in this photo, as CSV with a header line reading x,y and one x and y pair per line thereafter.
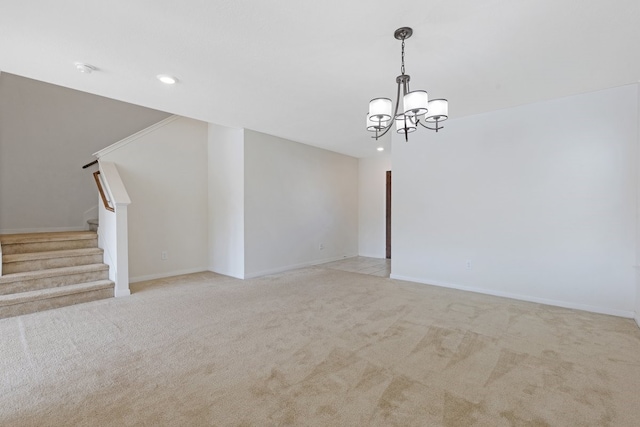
x,y
388,245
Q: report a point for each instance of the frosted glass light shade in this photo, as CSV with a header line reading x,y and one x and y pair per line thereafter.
x,y
404,124
438,110
380,109
415,103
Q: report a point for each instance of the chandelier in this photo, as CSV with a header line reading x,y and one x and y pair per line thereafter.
x,y
416,107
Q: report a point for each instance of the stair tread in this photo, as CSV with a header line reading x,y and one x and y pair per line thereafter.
x,y
21,297
51,272
9,239
33,256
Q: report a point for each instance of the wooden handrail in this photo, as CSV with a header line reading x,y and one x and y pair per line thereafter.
x,y
100,189
90,164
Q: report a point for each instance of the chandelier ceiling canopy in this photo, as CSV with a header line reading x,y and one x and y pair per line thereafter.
x,y
416,110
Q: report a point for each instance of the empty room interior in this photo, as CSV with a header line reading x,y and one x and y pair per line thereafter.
x,y
320,213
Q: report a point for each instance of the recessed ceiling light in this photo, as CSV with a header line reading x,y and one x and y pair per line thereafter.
x,y
84,68
167,79
380,148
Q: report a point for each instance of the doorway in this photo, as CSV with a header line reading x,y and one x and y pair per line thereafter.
x,y
388,216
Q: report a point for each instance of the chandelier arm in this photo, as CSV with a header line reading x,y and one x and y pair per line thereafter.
x,y
395,113
437,128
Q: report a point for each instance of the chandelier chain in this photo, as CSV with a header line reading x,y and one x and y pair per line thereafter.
x,y
402,68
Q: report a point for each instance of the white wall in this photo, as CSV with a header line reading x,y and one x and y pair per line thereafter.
x,y
47,133
372,183
165,174
226,200
541,199
297,197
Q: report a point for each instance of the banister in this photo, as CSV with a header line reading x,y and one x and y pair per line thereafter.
x,y
105,201
112,232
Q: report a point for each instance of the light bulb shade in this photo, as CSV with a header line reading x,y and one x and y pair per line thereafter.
x,y
404,124
415,103
376,125
380,109
438,110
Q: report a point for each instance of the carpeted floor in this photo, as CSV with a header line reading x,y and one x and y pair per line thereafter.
x,y
316,347
360,264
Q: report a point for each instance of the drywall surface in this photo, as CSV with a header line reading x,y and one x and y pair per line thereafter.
x,y
47,133
301,204
372,172
165,174
226,200
536,202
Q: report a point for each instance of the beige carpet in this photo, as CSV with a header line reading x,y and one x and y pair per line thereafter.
x,y
316,347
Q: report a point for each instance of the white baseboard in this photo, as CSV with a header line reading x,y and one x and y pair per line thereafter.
x,y
556,303
42,230
377,256
213,270
123,293
167,274
295,266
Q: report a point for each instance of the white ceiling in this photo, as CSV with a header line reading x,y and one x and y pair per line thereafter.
x,y
305,70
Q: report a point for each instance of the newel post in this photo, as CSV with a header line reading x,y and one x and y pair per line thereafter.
x,y
113,229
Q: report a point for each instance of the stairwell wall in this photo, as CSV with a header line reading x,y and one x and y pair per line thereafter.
x,y
47,133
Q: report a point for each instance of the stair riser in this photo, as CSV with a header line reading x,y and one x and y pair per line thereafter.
x,y
52,282
57,302
42,264
42,271
23,248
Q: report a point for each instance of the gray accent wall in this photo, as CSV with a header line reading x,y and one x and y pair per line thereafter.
x,y
47,133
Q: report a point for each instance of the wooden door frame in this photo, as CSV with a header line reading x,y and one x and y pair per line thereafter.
x,y
388,216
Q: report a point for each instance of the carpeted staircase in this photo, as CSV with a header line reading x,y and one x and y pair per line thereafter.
x,y
41,271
